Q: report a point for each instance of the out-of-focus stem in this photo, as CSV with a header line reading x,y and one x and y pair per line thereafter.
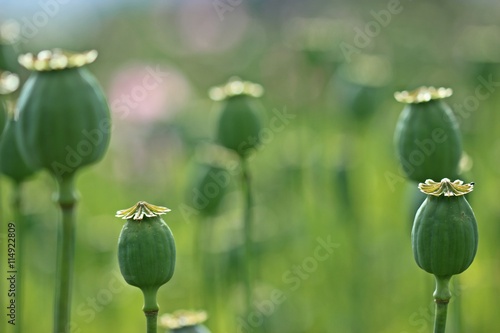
x,y
247,232
65,254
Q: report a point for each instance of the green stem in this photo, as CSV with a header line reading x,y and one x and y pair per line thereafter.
x,y
442,297
247,232
151,322
66,198
440,319
151,309
20,234
200,257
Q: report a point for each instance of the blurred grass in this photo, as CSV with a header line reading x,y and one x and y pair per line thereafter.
x,y
324,175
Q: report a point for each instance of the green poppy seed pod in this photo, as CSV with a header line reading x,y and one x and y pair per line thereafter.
x,y
427,136
11,162
444,236
183,321
359,85
64,119
146,247
239,123
416,199
208,188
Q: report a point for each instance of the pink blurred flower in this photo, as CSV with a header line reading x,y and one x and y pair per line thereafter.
x,y
204,30
146,93
143,97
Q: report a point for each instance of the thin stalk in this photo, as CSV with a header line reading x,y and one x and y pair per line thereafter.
x,y
247,232
151,309
66,198
205,262
442,297
198,255
357,280
440,320
151,322
20,234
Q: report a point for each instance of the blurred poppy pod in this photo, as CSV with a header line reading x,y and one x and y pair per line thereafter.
x,y
146,247
9,83
360,84
9,37
444,235
183,321
208,188
427,136
239,123
11,162
64,119
316,38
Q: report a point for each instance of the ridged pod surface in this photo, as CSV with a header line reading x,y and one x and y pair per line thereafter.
x,y
64,119
444,235
427,138
146,247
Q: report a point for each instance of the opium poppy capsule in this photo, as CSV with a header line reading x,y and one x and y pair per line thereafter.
x,y
9,83
9,37
183,321
239,122
11,162
444,236
360,84
427,136
209,185
64,119
146,247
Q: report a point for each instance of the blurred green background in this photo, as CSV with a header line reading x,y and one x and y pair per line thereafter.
x,y
329,174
